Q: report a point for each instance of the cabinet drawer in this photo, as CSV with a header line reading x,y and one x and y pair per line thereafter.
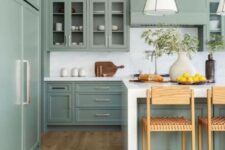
x,y
98,88
98,115
98,100
59,87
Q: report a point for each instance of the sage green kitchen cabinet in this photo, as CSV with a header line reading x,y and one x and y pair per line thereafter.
x,y
31,84
59,108
190,12
68,13
82,103
219,29
20,63
11,53
107,14
80,21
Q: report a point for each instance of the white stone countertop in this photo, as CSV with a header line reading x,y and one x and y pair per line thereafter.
x,y
84,78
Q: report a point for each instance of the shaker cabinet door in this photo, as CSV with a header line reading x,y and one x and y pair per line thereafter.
x,y
77,27
58,24
31,55
98,24
59,108
11,54
117,24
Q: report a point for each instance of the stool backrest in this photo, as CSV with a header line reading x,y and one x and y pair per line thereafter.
x,y
177,95
171,95
218,95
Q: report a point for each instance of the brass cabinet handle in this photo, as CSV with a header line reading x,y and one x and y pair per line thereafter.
x,y
65,40
102,88
102,100
69,40
103,115
28,80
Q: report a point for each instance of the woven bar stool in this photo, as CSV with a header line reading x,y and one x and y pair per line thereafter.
x,y
215,96
168,96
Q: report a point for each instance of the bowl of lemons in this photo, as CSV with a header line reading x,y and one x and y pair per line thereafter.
x,y
187,79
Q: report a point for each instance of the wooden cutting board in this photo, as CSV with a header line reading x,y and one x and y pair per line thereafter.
x,y
106,69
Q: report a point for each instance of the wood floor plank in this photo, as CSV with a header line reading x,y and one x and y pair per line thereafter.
x,y
81,141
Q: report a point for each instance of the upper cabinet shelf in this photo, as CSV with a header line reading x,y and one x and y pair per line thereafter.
x,y
191,12
88,25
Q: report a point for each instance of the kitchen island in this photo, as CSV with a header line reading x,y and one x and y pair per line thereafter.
x,y
131,110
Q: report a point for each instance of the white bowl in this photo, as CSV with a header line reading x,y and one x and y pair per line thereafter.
x,y
115,28
214,24
101,27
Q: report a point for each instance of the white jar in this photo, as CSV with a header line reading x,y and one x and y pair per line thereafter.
x,y
58,27
82,72
75,72
101,27
64,72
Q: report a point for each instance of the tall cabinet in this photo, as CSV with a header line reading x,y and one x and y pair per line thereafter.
x,y
20,75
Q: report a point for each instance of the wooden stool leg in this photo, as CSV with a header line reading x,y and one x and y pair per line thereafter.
x,y
199,137
143,138
193,139
148,140
183,140
209,139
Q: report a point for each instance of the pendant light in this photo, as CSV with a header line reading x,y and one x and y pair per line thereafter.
x,y
221,8
160,7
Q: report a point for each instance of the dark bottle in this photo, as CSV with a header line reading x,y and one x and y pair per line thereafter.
x,y
210,69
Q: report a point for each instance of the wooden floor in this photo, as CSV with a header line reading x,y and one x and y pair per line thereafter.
x,y
81,141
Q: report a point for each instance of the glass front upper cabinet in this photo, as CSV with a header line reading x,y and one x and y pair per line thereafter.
x,y
98,24
77,27
58,24
117,24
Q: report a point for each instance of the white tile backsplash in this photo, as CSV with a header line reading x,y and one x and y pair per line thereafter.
x,y
134,60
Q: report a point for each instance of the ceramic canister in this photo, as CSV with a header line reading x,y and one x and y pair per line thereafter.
x,y
75,72
82,72
58,26
64,72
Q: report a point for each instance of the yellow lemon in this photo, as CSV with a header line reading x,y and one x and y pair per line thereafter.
x,y
186,75
197,75
190,80
183,79
195,79
202,78
178,79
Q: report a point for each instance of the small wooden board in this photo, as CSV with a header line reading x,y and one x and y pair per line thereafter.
x,y
106,69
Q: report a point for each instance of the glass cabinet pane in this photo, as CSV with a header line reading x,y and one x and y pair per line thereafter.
x,y
58,24
77,25
99,24
117,24
215,22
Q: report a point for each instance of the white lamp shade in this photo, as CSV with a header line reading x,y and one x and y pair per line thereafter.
x,y
160,7
221,8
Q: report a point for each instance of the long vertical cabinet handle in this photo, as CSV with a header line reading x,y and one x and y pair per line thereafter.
x,y
110,42
28,79
69,40
65,40
18,82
